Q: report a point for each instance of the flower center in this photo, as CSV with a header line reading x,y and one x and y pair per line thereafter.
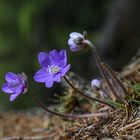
x,y
53,69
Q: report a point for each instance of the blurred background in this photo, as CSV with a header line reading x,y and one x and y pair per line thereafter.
x,y
30,26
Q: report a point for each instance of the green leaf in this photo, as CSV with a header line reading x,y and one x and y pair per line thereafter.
x,y
135,87
133,100
115,104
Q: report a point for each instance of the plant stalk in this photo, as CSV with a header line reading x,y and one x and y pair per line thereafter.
x,y
99,64
86,96
64,115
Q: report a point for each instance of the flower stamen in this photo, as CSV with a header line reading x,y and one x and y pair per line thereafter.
x,y
53,69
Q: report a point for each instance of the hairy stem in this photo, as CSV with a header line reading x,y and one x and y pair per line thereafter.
x,y
86,96
99,64
115,77
37,101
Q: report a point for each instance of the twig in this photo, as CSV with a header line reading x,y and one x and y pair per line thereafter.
x,y
130,125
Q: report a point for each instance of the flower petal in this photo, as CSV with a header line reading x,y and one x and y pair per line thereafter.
x,y
65,70
41,75
54,53
6,89
49,82
44,59
75,35
13,97
54,57
71,43
63,58
62,54
10,76
75,48
17,89
57,77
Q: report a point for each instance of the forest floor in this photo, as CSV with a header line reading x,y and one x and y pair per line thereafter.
x,y
121,124
16,125
41,126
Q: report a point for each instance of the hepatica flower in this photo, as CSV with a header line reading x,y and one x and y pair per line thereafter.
x,y
53,67
76,41
15,84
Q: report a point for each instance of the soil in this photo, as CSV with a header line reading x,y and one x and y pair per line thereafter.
x,y
15,125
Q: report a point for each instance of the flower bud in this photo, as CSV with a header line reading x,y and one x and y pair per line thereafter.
x,y
95,83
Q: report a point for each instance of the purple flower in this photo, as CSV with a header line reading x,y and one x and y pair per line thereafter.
x,y
53,67
76,41
16,84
